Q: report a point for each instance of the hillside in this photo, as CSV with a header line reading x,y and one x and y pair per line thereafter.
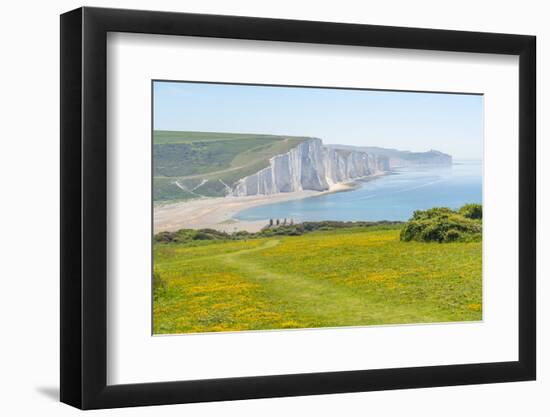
x,y
353,276
194,164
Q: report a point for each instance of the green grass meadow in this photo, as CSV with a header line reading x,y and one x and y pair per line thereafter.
x,y
355,276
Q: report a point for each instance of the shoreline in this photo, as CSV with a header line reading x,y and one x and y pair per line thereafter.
x,y
218,212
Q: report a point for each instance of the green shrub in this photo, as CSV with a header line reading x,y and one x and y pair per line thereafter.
x,y
211,234
471,211
187,235
452,235
441,224
183,235
194,237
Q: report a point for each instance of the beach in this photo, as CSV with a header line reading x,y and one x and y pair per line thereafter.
x,y
218,212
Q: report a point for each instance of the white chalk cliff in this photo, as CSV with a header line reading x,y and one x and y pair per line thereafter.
x,y
310,166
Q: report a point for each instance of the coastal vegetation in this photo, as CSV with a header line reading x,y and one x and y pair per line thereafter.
x,y
441,224
471,211
273,228
316,274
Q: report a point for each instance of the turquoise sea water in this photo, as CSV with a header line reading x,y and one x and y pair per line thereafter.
x,y
390,197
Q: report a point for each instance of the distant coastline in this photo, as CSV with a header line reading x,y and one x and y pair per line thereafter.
x,y
192,189
190,165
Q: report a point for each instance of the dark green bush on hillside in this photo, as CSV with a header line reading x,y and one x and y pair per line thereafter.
x,y
187,235
472,211
441,224
193,237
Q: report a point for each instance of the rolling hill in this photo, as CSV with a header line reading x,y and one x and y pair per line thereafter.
x,y
355,276
196,164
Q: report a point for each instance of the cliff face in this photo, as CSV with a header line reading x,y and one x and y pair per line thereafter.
x,y
310,166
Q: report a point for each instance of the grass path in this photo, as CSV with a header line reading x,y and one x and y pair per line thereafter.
x,y
325,279
311,296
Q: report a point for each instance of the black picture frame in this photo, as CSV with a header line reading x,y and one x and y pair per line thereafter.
x,y
84,207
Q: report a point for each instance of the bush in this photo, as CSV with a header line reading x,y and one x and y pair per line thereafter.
x,y
441,224
164,237
471,211
187,235
452,235
183,235
210,234
194,237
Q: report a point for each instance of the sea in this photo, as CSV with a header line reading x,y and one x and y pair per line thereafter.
x,y
394,196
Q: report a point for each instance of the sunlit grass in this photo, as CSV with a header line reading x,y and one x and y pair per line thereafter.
x,y
349,277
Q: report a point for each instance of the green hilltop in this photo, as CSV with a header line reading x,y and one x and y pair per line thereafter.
x,y
354,275
190,165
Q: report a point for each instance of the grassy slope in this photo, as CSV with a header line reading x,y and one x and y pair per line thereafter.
x,y
336,278
172,136
192,157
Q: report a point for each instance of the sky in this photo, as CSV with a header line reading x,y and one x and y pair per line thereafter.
x,y
451,123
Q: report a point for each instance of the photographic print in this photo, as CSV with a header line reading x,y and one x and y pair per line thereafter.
x,y
287,207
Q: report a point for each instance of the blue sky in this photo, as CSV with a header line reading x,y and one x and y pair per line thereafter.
x,y
451,123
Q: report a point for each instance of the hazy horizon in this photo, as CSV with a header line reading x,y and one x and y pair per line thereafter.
x,y
407,121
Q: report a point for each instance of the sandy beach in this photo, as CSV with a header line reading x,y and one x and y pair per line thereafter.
x,y
217,213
